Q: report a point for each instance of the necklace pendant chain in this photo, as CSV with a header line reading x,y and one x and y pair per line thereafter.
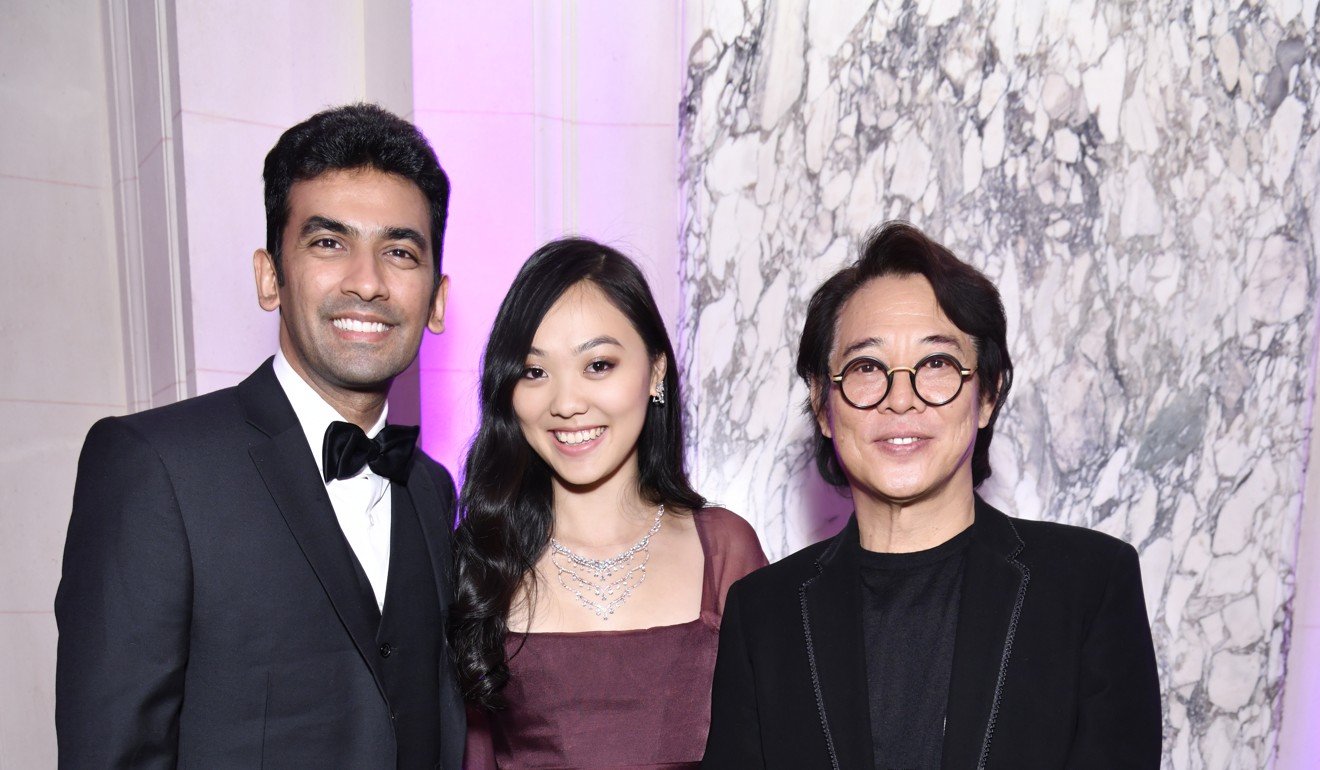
x,y
603,585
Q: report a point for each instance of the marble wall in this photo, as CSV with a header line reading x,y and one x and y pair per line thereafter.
x,y
1140,180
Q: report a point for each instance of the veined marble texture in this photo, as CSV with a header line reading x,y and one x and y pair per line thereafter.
x,y
1141,182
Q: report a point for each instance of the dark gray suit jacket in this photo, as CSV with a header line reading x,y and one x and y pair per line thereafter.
x,y
1053,663
210,610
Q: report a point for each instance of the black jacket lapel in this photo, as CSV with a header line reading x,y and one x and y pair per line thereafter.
x,y
289,472
993,589
426,499
832,622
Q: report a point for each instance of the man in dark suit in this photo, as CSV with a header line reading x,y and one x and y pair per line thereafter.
x,y
260,577
934,631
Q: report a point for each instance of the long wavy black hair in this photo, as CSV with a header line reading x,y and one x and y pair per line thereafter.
x,y
506,501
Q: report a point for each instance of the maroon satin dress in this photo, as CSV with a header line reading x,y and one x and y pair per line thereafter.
x,y
617,699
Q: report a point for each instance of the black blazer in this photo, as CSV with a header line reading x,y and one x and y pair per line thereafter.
x,y
211,613
1053,662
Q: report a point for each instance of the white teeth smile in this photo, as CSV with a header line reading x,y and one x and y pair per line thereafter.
x,y
902,440
577,436
354,325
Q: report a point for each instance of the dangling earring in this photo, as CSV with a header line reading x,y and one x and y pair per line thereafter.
x,y
659,398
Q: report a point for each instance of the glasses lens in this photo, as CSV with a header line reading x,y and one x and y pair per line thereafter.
x,y
938,379
865,382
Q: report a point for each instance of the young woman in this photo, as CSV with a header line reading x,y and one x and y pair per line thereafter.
x,y
591,578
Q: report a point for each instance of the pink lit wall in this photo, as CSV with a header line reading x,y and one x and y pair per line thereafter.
x,y
550,119
1299,741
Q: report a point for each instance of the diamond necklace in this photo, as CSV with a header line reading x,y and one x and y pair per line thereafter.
x,y
603,585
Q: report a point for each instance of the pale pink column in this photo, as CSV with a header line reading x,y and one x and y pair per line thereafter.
x,y
550,119
472,96
1299,735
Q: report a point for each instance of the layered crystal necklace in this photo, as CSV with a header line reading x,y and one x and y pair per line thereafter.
x,y
603,585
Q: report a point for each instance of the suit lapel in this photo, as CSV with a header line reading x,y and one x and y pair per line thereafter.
x,y
426,500
993,589
832,623
289,472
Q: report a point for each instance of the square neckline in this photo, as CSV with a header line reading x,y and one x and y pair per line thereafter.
x,y
704,610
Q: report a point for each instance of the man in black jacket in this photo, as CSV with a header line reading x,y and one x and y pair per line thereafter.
x,y
259,577
934,631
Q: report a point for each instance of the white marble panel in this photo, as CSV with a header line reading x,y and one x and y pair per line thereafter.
x,y
1140,180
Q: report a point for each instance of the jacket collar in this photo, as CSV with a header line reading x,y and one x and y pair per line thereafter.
x,y
290,474
832,626
993,588
313,412
427,497
264,404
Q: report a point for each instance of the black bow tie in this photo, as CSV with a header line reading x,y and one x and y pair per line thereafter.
x,y
347,449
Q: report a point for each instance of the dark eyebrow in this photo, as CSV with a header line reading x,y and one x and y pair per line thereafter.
x,y
932,339
859,344
405,234
317,222
603,339
942,339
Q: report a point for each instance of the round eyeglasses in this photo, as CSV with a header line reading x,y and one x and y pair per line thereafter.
x,y
937,379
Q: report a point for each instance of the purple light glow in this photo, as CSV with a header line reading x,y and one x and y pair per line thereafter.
x,y
472,98
549,120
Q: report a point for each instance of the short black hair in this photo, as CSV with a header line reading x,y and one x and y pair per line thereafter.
x,y
353,136
965,295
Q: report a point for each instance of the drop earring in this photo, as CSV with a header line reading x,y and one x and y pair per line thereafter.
x,y
659,398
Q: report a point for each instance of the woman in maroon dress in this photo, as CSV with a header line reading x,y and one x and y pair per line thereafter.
x,y
591,576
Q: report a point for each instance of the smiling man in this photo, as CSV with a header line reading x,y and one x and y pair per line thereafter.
x,y
934,631
260,577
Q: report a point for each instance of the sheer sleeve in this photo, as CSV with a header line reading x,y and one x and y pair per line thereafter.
x,y
732,550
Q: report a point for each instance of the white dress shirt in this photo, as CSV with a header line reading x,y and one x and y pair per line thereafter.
x,y
362,503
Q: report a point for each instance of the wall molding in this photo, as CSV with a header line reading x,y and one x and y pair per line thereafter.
x,y
143,100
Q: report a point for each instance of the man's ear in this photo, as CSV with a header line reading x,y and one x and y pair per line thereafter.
x,y
436,321
820,409
268,282
988,405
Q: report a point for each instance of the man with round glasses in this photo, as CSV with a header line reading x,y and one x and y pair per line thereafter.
x,y
934,630
936,379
